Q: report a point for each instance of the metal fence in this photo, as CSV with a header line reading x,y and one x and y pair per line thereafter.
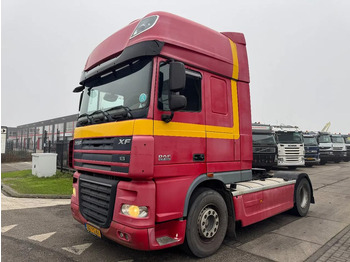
x,y
18,154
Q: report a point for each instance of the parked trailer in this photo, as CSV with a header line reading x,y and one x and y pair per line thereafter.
x,y
163,144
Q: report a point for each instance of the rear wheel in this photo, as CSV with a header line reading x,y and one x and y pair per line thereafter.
x,y
206,223
302,198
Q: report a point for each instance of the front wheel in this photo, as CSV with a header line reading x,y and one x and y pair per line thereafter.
x,y
302,197
206,223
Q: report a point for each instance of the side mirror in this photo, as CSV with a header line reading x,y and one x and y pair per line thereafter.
x,y
177,102
78,89
177,82
177,76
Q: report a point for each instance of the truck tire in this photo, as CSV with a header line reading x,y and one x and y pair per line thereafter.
x,y
302,197
323,162
206,223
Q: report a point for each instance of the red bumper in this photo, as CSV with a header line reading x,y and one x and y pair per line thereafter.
x,y
141,239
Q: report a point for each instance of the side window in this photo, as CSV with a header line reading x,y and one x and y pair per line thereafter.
x,y
192,90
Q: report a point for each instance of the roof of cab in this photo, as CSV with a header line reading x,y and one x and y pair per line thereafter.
x,y
184,34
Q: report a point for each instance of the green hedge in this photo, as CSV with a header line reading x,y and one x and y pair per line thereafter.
x,y
16,156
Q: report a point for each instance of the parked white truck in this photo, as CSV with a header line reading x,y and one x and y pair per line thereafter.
x,y
339,148
290,146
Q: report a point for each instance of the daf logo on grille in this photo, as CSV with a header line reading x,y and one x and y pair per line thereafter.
x,y
124,141
78,142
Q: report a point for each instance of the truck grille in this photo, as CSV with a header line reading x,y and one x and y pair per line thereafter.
x,y
263,150
96,199
110,156
264,160
292,151
292,158
337,148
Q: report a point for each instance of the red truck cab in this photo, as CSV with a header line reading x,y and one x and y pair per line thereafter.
x,y
164,138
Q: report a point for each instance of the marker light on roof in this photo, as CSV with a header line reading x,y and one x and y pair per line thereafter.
x,y
145,24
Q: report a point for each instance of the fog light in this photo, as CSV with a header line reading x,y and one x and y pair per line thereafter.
x,y
134,211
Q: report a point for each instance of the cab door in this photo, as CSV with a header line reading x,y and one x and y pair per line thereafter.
x,y
182,140
180,145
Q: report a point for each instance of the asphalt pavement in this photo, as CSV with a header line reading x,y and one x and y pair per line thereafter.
x,y
47,230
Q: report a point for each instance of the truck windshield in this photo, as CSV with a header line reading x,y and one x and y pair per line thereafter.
x,y
324,139
337,139
264,139
310,141
289,137
127,87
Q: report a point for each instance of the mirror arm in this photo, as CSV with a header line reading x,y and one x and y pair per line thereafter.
x,y
167,118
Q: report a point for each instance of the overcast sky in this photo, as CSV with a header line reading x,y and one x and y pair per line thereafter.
x,y
299,54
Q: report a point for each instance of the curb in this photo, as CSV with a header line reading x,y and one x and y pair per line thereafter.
x,y
12,193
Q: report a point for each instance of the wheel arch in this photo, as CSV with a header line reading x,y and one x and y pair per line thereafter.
x,y
219,185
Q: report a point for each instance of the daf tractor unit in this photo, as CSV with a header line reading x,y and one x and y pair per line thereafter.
x,y
326,147
312,150
163,144
339,148
264,146
290,146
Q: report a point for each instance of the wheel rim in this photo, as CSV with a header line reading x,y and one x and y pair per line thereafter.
x,y
208,222
304,197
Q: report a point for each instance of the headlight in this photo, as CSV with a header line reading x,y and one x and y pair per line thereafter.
x,y
134,211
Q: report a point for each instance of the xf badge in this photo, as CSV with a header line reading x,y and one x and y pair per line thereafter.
x,y
124,141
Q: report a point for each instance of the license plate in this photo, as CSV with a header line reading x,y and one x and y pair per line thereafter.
x,y
93,230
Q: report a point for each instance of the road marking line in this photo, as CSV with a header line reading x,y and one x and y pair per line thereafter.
x,y
41,237
7,228
78,249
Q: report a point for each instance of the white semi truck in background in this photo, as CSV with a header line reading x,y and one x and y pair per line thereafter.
x,y
339,148
326,147
290,146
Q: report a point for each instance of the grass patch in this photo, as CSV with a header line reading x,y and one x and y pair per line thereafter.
x,y
26,183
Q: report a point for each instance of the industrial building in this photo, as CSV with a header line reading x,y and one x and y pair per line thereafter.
x,y
41,136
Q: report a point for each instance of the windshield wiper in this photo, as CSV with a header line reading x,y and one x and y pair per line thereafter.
x,y
99,116
84,120
119,113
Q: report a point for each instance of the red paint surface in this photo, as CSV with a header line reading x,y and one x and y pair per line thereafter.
x,y
257,206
